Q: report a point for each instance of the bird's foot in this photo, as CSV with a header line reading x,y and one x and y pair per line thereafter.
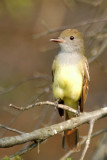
x,y
78,111
56,104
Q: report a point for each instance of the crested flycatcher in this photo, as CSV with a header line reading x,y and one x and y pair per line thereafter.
x,y
70,72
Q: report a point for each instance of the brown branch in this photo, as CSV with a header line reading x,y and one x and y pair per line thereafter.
x,y
47,132
65,107
93,3
101,50
101,151
11,129
88,139
35,77
65,27
28,148
33,145
99,132
84,138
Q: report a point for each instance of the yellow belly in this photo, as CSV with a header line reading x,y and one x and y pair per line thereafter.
x,y
68,84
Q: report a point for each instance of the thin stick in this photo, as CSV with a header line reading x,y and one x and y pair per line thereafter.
x,y
35,77
33,145
101,50
11,129
84,138
28,148
65,107
88,139
65,27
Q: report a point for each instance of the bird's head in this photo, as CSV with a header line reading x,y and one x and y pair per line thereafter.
x,y
70,41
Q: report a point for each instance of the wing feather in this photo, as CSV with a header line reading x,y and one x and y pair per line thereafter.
x,y
85,87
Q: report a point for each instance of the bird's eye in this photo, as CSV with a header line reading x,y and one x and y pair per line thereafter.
x,y
71,37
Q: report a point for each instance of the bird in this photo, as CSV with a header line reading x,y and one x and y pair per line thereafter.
x,y
70,77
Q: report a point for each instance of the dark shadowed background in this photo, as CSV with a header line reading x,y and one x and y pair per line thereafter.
x,y
22,57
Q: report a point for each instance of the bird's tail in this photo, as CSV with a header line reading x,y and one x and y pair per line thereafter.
x,y
71,137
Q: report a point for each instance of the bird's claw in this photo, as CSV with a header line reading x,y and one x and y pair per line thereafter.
x,y
56,104
78,111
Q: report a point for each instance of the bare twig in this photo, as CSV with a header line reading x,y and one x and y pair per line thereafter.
x,y
11,129
45,25
65,107
101,50
84,138
47,132
93,3
33,145
37,76
101,151
2,131
28,148
65,27
88,139
99,132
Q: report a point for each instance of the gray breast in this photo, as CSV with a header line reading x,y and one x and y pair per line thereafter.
x,y
68,58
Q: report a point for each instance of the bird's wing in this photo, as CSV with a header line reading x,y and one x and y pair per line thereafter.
x,y
85,87
53,69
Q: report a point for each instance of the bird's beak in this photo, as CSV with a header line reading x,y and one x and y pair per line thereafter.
x,y
58,40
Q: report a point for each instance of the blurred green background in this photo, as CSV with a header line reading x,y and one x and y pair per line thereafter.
x,y
22,57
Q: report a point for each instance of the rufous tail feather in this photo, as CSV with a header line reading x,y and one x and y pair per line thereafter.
x,y
71,137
